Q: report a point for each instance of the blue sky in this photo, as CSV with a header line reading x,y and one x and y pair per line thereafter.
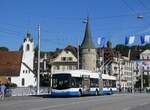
x,y
61,21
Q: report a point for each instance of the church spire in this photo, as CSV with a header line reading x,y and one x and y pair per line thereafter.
x,y
87,42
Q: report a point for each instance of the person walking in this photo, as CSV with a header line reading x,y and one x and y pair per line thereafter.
x,y
2,91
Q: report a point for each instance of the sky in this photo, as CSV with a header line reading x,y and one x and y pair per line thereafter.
x,y
62,24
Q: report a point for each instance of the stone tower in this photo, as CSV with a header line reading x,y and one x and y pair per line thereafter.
x,y
88,51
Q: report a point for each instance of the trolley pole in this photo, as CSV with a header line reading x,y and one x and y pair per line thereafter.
x,y
38,72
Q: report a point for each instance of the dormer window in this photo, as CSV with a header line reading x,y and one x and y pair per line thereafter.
x,y
28,47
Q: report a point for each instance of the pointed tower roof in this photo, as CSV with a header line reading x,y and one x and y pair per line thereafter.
x,y
87,41
28,36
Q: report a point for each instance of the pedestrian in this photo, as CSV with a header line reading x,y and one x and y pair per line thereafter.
x,y
2,91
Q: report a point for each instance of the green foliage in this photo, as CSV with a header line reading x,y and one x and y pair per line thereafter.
x,y
11,85
45,80
123,49
42,53
4,49
135,49
145,82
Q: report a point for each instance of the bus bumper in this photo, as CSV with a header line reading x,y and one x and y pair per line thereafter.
x,y
65,93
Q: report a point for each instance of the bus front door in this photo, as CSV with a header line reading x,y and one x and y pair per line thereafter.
x,y
86,85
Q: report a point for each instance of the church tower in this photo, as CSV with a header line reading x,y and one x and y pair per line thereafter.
x,y
28,51
26,77
88,51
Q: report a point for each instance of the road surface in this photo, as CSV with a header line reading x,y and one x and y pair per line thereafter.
x,y
110,102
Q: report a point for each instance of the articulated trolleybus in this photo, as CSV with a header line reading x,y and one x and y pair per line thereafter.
x,y
81,82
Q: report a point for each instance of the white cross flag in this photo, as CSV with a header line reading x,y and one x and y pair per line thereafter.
x,y
147,38
99,40
131,39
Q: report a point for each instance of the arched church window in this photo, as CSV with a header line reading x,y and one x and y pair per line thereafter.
x,y
23,81
28,47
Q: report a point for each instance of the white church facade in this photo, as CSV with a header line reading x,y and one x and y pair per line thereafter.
x,y
26,77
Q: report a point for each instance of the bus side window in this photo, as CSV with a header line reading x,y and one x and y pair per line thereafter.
x,y
94,82
73,83
76,82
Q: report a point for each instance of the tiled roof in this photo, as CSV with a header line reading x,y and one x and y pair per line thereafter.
x,y
146,51
70,48
10,63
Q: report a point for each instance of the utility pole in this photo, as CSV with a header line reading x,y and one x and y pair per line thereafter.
x,y
132,77
38,72
103,70
119,73
141,71
78,50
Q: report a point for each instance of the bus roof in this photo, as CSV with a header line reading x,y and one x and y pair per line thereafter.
x,y
79,73
106,76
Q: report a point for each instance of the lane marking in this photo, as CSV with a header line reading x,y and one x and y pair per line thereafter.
x,y
144,104
22,101
127,108
61,105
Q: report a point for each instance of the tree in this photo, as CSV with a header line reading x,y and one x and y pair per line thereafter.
x,y
145,82
4,49
45,80
123,49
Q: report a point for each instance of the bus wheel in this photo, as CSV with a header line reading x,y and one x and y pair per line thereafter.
x,y
80,92
111,92
96,92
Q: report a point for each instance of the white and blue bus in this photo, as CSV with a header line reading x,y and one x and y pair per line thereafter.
x,y
81,82
109,84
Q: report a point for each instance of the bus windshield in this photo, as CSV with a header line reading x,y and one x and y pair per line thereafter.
x,y
61,81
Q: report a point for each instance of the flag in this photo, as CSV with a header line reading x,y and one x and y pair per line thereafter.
x,y
126,40
147,38
142,40
129,40
103,42
99,40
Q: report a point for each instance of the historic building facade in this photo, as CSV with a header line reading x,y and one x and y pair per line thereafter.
x,y
142,65
63,59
